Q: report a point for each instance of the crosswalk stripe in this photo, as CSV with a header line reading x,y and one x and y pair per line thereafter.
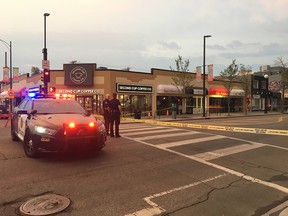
x,y
167,135
190,141
140,129
154,131
226,151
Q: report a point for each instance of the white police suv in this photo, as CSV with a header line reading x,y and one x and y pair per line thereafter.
x,y
47,123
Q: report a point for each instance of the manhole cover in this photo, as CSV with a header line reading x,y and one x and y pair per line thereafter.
x,y
44,205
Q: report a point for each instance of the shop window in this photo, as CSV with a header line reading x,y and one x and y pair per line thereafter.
x,y
255,84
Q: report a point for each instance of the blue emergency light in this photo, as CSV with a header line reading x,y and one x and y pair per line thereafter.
x,y
31,94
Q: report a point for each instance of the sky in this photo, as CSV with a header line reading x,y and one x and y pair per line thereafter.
x,y
144,34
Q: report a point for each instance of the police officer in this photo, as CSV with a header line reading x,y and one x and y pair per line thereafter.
x,y
115,113
106,112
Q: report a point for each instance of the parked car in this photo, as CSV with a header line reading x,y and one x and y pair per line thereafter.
x,y
3,110
45,123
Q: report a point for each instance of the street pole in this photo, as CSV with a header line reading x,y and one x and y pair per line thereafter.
x,y
11,75
265,95
9,46
45,54
204,66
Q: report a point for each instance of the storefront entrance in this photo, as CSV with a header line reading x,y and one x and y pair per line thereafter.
x,y
91,103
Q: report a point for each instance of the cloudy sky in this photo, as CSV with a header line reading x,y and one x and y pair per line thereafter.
x,y
145,34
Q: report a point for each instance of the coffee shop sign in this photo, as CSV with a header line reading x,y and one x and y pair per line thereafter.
x,y
79,91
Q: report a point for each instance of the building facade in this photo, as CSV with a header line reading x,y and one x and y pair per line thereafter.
x,y
151,93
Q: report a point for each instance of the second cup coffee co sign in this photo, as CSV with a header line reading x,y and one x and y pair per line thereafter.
x,y
134,88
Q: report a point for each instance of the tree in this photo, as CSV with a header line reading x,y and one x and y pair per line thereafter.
x,y
35,70
229,75
283,84
182,78
245,74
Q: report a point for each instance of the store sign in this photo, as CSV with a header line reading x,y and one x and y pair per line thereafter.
x,y
79,74
79,91
134,88
218,91
198,91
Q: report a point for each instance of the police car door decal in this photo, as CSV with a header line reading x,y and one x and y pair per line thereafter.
x,y
22,126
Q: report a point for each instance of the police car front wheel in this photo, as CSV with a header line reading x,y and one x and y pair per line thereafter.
x,y
29,147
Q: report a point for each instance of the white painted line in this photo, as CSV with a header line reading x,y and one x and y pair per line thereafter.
x,y
190,141
168,135
140,129
227,151
156,209
147,212
233,172
132,126
154,131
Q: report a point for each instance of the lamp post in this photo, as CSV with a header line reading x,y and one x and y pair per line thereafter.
x,y
265,94
9,46
204,88
45,54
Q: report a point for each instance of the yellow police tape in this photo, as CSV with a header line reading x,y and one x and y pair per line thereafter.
x,y
212,127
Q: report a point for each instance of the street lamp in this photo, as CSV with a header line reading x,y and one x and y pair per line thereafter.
x,y
265,94
9,46
204,89
45,54
45,48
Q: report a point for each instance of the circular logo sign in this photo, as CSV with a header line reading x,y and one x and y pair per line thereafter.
x,y
78,75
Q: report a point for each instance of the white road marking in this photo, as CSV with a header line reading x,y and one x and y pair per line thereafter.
x,y
154,131
156,209
204,160
139,128
227,151
189,141
167,135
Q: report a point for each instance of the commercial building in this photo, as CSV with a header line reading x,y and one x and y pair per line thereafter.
x,y
152,93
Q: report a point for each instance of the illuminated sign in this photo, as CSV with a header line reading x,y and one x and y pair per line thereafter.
x,y
134,88
79,91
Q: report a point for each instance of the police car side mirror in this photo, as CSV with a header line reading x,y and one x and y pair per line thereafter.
x,y
22,112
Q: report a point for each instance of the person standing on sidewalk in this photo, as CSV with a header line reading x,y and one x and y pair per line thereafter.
x,y
106,112
115,111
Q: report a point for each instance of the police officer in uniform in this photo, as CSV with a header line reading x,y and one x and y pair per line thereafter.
x,y
106,112
115,113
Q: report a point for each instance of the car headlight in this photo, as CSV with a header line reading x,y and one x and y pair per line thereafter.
x,y
102,127
43,130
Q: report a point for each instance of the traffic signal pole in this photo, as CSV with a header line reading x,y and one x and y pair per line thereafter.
x,y
45,55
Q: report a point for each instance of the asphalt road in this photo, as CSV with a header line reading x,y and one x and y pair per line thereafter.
x,y
157,170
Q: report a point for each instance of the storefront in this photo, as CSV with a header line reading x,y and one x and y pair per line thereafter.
x,y
134,98
218,100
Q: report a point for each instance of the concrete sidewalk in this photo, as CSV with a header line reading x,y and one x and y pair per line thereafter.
x,y
184,117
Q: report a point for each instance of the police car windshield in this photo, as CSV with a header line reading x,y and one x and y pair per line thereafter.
x,y
57,106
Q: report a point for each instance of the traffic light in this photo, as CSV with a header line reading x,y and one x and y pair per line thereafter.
x,y
46,76
52,89
42,79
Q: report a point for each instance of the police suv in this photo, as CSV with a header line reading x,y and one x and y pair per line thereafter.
x,y
44,122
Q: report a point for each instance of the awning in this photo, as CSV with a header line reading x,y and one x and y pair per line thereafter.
x,y
171,89
218,91
237,92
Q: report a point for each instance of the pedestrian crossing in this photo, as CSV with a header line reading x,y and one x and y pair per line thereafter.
x,y
200,145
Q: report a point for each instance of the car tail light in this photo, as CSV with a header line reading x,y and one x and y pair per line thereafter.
x,y
71,125
91,124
